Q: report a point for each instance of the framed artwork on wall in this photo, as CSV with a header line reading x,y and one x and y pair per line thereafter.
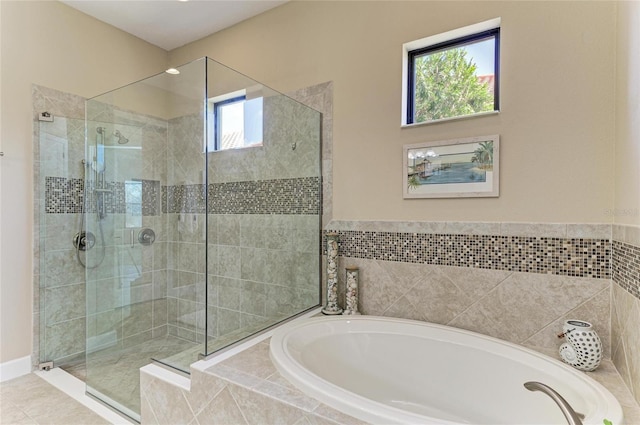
x,y
457,168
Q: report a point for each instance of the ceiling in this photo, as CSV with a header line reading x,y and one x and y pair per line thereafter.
x,y
172,23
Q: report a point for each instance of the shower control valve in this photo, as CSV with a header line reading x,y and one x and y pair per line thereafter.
x,y
146,237
84,240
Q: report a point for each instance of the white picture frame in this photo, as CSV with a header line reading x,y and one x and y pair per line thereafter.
x,y
456,168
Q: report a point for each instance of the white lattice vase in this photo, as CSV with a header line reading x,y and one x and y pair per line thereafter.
x,y
583,349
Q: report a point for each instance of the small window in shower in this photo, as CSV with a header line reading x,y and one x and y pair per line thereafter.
x,y
234,122
133,203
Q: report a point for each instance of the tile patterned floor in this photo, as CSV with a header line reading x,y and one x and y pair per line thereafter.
x,y
29,399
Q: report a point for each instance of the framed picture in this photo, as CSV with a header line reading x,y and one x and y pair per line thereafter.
x,y
458,168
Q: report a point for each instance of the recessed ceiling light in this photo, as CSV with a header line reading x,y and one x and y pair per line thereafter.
x,y
173,71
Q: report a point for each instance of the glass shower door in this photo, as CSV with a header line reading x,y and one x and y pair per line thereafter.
x,y
118,298
138,268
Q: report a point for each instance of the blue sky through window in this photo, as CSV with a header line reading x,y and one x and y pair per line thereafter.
x,y
483,53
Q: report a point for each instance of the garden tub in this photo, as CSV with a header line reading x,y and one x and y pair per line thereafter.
x,y
395,371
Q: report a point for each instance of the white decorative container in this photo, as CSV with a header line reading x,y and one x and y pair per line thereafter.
x,y
332,275
351,290
583,349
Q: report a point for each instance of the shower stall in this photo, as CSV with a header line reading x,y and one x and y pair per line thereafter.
x,y
195,206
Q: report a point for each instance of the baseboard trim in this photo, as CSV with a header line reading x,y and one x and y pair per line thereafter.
x,y
15,368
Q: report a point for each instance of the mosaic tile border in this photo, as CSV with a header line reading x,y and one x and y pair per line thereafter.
x,y
66,196
626,267
558,256
280,196
277,196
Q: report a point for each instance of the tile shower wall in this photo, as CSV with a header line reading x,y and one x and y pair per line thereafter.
x,y
513,281
186,227
625,315
262,234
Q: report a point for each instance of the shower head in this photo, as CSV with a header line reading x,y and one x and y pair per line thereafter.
x,y
100,130
121,139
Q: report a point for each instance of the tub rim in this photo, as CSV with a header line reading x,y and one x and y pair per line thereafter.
x,y
361,407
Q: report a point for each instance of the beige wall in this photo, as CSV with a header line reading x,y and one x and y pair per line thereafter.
x,y
49,44
627,157
556,124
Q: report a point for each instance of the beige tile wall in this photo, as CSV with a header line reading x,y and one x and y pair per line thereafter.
x,y
625,320
246,389
524,308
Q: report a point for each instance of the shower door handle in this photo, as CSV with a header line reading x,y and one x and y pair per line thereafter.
x,y
132,239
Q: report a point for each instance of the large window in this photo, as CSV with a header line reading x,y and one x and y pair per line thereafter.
x,y
235,122
452,75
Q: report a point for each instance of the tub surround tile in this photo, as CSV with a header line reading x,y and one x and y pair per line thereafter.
x,y
542,255
516,307
260,409
589,231
381,284
626,233
254,361
631,414
625,305
208,389
472,228
626,338
223,409
474,282
491,302
437,299
214,399
543,230
626,267
166,403
547,230
564,293
282,389
597,308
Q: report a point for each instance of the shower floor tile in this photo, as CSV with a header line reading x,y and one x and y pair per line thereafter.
x,y
114,371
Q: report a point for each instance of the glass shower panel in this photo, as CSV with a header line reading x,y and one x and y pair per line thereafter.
x,y
202,221
138,266
264,209
61,277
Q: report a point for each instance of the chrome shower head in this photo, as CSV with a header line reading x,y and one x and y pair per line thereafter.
x,y
121,139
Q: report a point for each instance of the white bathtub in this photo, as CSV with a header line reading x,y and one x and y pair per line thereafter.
x,y
394,371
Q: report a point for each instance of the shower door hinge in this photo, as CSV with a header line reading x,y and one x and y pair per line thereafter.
x,y
45,366
45,116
